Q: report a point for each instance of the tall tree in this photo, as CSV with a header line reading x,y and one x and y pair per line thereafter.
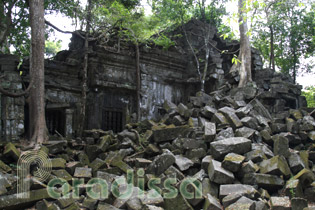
x,y
286,36
244,66
36,99
36,88
85,68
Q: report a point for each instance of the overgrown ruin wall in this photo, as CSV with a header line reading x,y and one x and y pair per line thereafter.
x,y
111,99
11,109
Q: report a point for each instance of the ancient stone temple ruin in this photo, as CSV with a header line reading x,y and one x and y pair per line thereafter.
x,y
166,75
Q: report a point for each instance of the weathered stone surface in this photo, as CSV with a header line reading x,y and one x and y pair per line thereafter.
x,y
295,162
205,162
278,127
245,132
4,167
293,188
280,203
305,176
247,168
242,204
233,162
265,134
210,131
230,199
97,164
298,203
182,162
208,112
58,163
62,173
238,145
270,182
64,202
276,166
160,164
13,202
56,147
218,174
232,118
81,172
250,122
168,134
106,206
92,151
45,205
134,204
168,106
11,151
178,202
224,134
183,111
311,135
261,205
211,203
243,111
220,119
259,107
281,146
256,156
295,114
241,189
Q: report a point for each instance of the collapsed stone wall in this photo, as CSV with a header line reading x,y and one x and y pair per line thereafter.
x,y
166,75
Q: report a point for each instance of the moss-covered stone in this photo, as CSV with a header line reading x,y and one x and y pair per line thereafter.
x,y
276,166
232,162
4,167
296,114
61,173
13,202
179,202
58,163
11,151
305,176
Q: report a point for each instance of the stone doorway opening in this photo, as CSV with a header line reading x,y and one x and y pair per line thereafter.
x,y
112,119
56,121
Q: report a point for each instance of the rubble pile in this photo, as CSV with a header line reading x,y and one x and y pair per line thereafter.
x,y
220,151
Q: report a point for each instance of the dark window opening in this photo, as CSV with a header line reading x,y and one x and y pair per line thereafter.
x,y
291,104
55,120
112,120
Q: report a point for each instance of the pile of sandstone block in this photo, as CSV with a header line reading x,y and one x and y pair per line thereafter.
x,y
213,153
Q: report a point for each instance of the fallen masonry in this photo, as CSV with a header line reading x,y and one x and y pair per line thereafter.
x,y
224,153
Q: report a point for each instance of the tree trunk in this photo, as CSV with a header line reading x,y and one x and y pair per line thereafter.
x,y
85,69
38,129
294,64
205,70
138,81
272,50
245,50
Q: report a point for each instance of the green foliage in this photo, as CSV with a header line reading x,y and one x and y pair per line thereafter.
x,y
164,41
293,26
52,47
18,36
309,94
235,60
132,23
